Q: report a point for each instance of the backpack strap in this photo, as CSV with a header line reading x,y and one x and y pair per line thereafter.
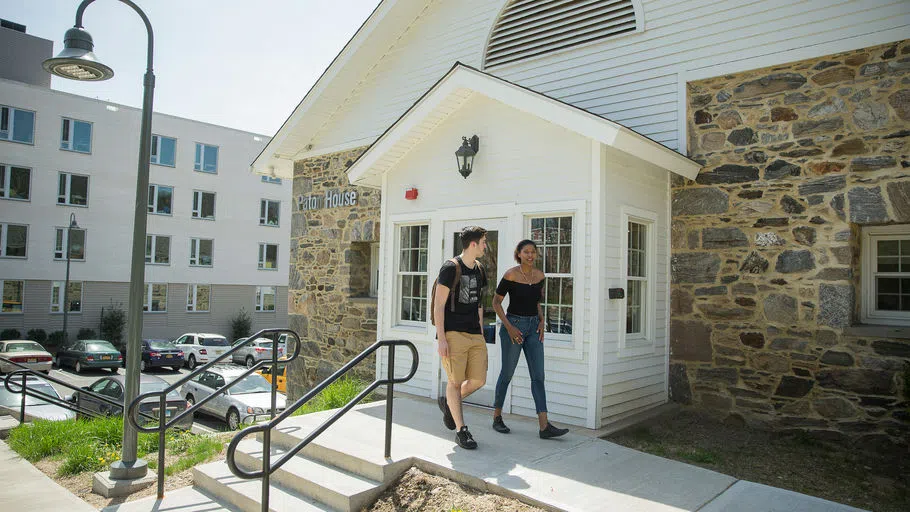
x,y
457,261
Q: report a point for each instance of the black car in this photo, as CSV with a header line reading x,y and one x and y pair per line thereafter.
x,y
158,353
112,387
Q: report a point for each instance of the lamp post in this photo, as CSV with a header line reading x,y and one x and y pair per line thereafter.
x,y
78,62
66,285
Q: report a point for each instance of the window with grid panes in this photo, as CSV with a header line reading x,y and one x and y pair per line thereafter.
x,y
72,189
12,295
163,151
268,256
265,298
155,298
201,252
203,205
198,297
76,136
553,236
17,125
412,272
161,199
74,296
76,240
636,278
886,289
158,249
15,182
13,240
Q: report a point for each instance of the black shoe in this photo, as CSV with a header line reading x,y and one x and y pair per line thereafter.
x,y
552,431
447,418
465,439
499,426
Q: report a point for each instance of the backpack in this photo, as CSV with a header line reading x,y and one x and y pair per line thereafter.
x,y
451,298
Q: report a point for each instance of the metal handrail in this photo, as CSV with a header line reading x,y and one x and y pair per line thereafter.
x,y
266,428
163,424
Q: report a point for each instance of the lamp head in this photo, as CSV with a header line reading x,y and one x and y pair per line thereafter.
x,y
465,155
77,61
73,224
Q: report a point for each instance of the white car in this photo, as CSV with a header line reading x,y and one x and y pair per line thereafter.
x,y
200,347
256,350
25,353
248,402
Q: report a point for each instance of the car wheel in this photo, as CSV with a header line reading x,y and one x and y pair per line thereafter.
x,y
233,419
175,368
114,370
191,401
191,362
142,366
78,367
250,361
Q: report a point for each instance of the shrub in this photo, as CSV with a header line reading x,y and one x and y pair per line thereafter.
x,y
113,319
39,335
241,324
9,334
55,339
86,334
336,395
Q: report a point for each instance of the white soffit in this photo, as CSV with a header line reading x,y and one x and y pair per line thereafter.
x,y
450,93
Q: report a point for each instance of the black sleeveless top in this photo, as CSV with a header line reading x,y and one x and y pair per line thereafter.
x,y
523,298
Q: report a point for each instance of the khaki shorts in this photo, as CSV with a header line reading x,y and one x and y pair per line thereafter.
x,y
467,357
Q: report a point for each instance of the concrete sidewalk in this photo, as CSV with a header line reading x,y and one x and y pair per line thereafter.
x,y
24,487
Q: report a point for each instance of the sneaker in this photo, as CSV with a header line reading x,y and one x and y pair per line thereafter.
x,y
465,439
552,431
499,426
447,418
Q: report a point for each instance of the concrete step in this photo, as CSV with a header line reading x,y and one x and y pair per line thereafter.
x,y
323,482
7,423
235,493
380,472
186,499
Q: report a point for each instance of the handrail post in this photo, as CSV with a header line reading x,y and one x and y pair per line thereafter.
x,y
22,405
162,426
388,403
274,375
266,467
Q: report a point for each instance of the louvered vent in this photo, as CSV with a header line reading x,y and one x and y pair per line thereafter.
x,y
528,28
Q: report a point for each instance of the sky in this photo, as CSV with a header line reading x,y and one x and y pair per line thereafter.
x,y
242,64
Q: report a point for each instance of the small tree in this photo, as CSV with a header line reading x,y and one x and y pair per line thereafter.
x,y
9,334
113,319
55,339
241,324
39,335
86,334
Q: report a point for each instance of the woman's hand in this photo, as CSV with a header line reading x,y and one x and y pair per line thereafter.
x,y
514,334
540,331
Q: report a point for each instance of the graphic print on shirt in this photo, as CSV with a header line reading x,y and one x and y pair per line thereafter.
x,y
467,290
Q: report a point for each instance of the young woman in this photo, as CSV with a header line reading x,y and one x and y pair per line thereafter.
x,y
522,330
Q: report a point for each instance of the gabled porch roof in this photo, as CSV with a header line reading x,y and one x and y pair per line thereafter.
x,y
460,83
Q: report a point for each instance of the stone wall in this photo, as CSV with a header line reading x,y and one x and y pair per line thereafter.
x,y
765,272
328,265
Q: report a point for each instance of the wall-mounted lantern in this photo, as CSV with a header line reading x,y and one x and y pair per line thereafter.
x,y
465,155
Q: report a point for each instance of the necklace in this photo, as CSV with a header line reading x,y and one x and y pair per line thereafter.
x,y
527,279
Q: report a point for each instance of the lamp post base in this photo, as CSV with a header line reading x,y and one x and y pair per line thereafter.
x,y
103,484
122,471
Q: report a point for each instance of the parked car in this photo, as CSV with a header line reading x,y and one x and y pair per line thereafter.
x,y
247,402
201,347
35,408
158,353
26,353
282,375
85,354
112,387
255,351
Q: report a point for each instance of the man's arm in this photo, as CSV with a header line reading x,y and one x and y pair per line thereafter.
x,y
439,311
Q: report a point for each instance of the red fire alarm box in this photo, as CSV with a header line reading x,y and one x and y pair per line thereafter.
x,y
410,194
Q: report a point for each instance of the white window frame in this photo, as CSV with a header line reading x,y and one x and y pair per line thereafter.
x,y
4,234
565,337
258,306
197,205
147,299
6,179
264,212
199,165
192,296
154,240
263,250
399,276
3,292
155,151
61,239
153,205
10,129
374,270
869,254
67,134
57,301
196,247
643,343
65,199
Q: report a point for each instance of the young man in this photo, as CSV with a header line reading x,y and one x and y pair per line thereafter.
x,y
458,313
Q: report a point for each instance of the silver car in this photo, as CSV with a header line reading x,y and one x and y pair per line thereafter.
x,y
35,408
245,403
24,353
255,351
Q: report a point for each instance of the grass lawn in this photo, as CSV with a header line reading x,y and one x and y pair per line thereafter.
x,y
336,395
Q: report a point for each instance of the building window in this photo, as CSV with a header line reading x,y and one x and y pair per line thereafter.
x,y
265,298
15,182
13,240
17,125
637,285
74,297
155,299
72,189
271,179
203,205
268,256
268,212
161,199
198,297
158,249
164,151
886,274
77,245
12,295
201,252
206,158
76,136
553,236
413,244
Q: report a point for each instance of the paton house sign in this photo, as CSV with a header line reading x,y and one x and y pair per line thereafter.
x,y
332,199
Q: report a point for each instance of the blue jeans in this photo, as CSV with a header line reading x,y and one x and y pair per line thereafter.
x,y
533,349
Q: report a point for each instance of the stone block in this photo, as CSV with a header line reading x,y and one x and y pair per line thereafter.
x,y
742,137
694,267
728,173
771,222
899,197
834,75
795,261
713,290
718,238
791,206
713,141
773,363
819,127
849,147
768,239
783,114
770,84
690,341
680,391
837,358
752,339
804,235
860,381
900,102
699,201
744,289
823,185
716,401
869,116
830,106
781,169
723,312
794,387
790,344
728,119
892,348
867,205
781,309
872,163
835,274
680,302
721,375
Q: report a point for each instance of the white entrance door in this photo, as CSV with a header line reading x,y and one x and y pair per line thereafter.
x,y
495,262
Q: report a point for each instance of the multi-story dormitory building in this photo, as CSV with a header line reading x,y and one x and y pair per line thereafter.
x,y
217,234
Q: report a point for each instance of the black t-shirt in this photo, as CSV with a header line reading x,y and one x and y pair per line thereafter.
x,y
467,297
523,298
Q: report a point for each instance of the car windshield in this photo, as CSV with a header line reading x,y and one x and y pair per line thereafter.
x,y
254,383
148,387
22,347
161,345
264,344
99,347
14,399
217,341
